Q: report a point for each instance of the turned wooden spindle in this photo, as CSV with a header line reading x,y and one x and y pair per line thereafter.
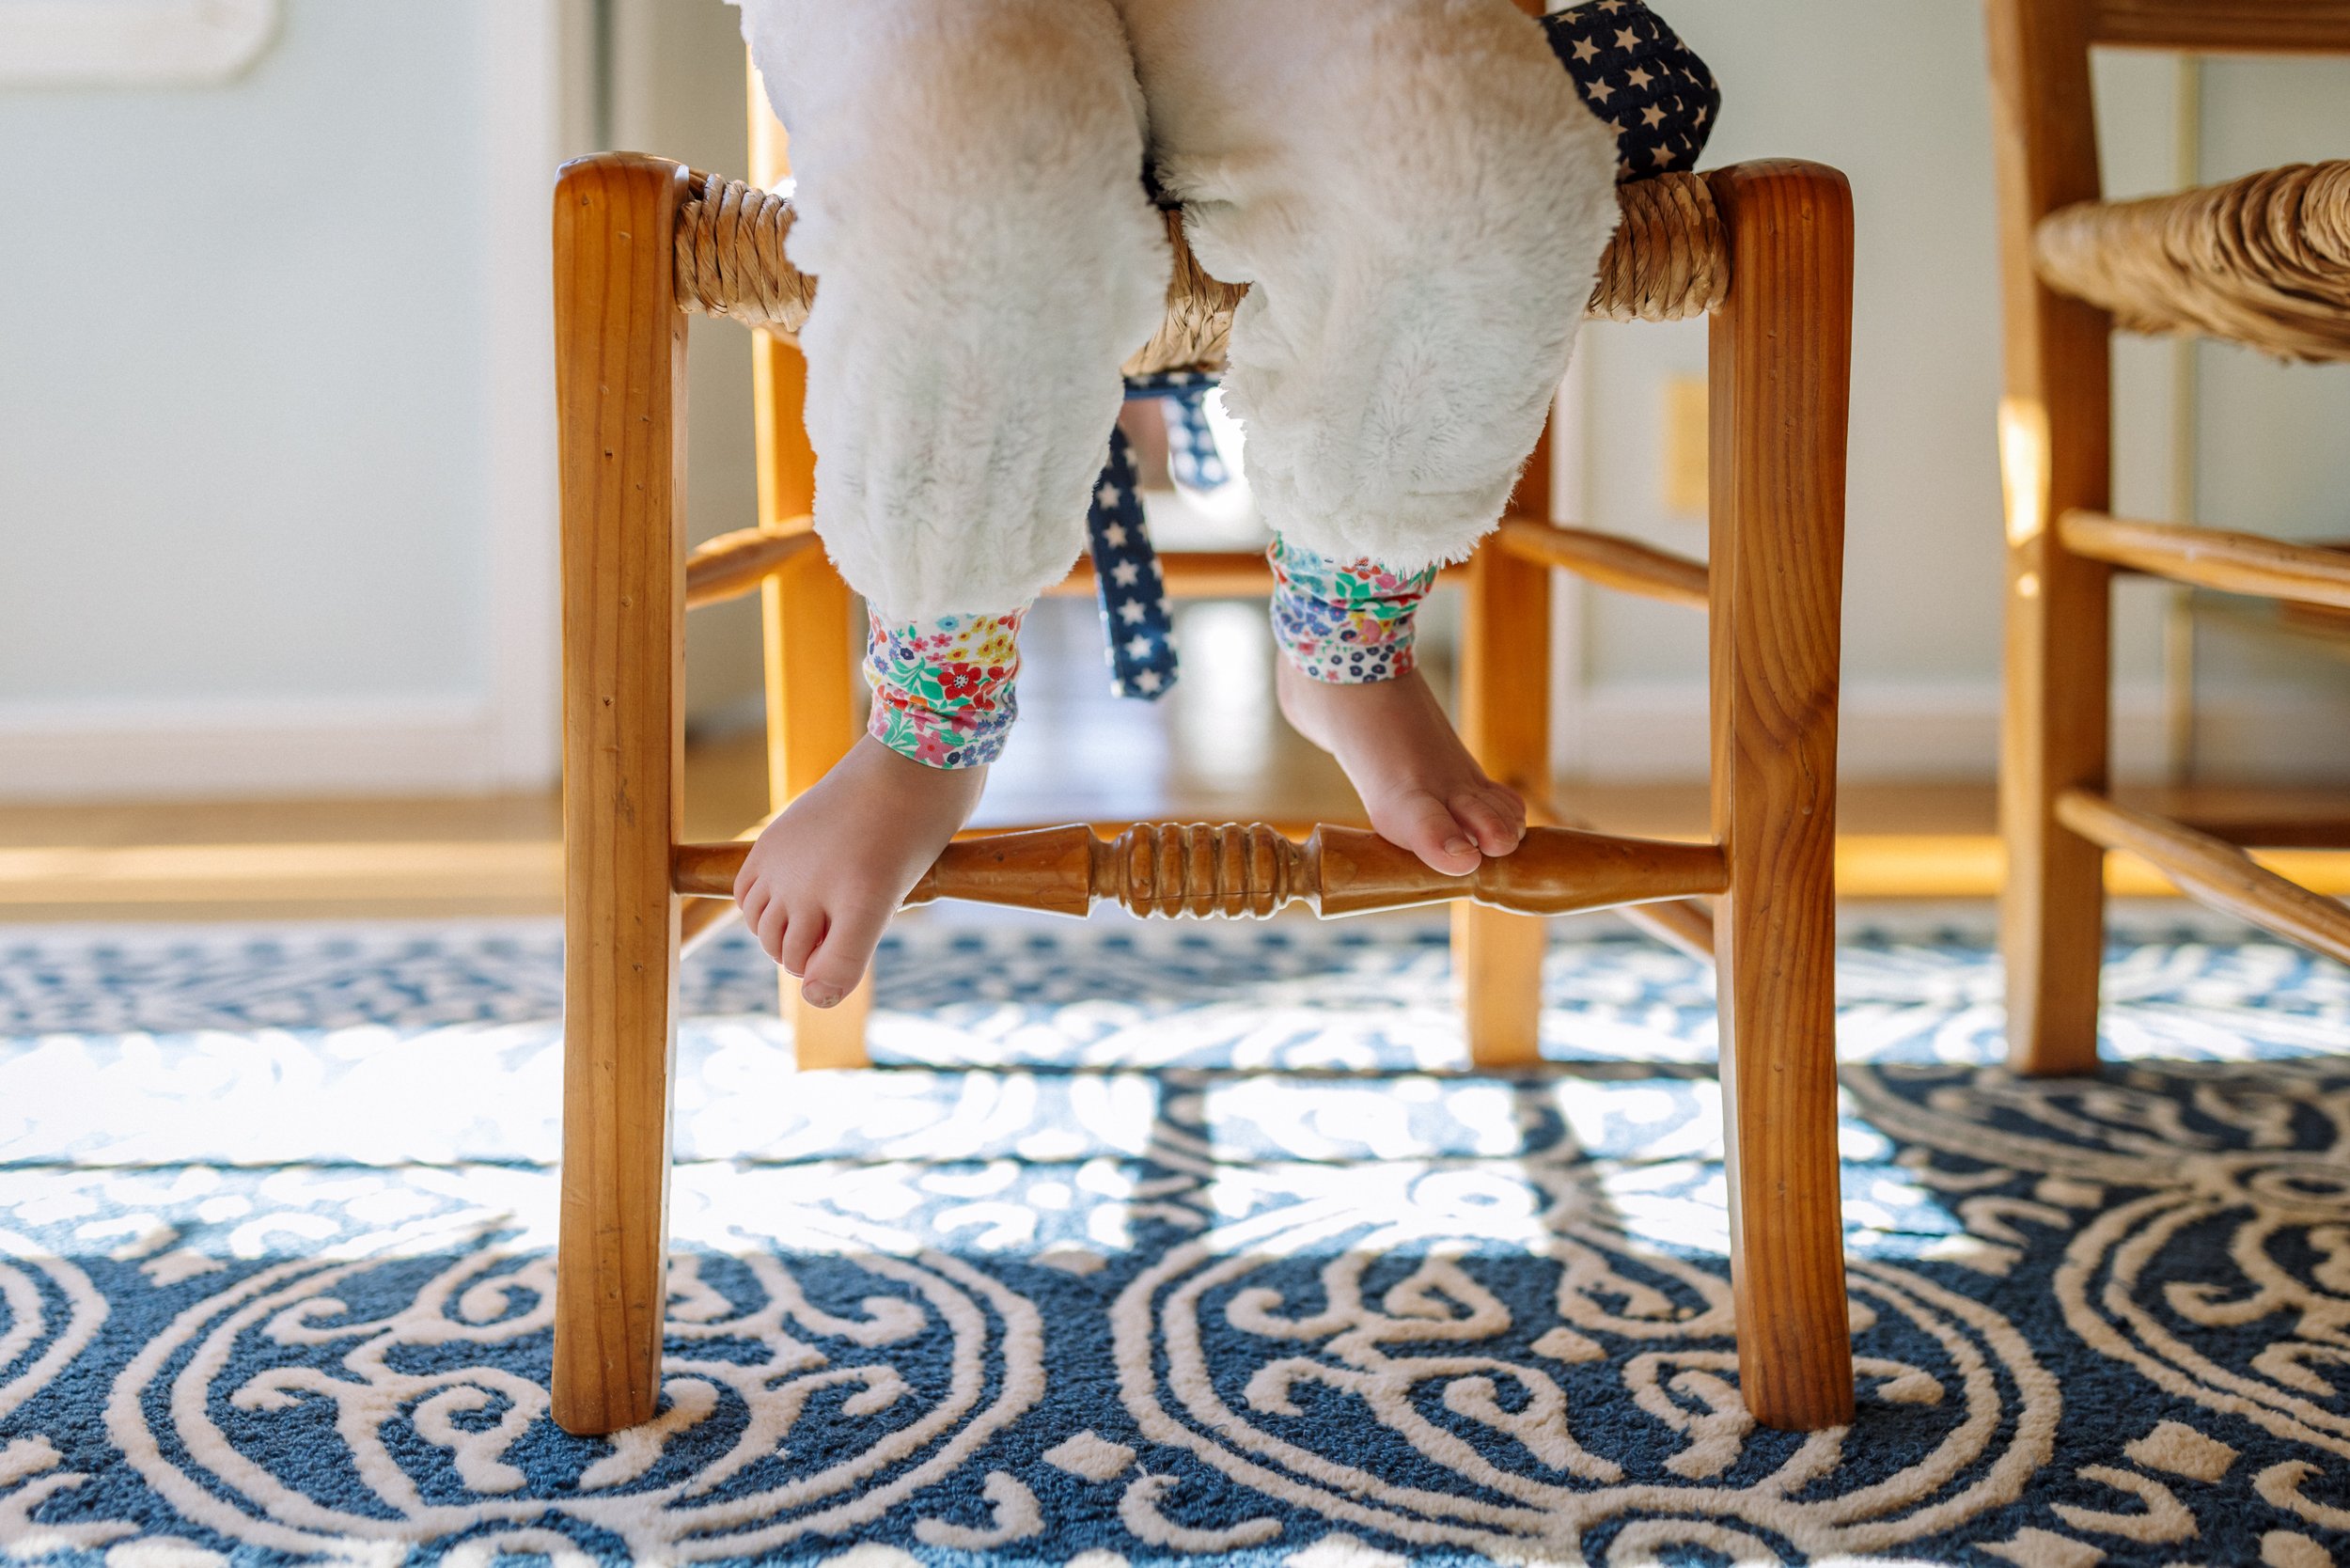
x,y
1249,870
1175,869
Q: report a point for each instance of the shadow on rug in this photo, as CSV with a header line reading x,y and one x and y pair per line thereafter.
x,y
1156,1247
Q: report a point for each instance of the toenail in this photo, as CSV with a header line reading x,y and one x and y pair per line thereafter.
x,y
1459,846
819,995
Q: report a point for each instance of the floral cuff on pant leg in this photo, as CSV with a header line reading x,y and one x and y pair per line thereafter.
x,y
943,692
1346,623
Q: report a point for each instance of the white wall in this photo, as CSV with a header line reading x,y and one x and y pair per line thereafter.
x,y
276,504
2272,443
679,89
1897,96
277,498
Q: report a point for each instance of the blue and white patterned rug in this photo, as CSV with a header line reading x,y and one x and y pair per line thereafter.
x,y
1156,1247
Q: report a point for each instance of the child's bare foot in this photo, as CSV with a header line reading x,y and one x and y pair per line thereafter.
x,y
1423,791
820,886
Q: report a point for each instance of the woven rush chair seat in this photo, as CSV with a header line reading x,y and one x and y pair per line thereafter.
x,y
2264,260
1666,263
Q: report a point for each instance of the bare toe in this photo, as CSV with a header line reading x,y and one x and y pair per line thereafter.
x,y
799,940
773,927
1418,822
839,959
1494,817
752,901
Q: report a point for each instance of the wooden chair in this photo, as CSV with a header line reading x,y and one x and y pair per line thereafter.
x,y
1765,247
2264,260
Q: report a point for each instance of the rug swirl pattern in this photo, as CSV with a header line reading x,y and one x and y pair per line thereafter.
x,y
1159,1248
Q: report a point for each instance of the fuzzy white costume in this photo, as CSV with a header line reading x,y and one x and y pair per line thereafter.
x,y
1414,189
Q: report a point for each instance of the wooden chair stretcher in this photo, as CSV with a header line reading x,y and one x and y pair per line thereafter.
x,y
637,240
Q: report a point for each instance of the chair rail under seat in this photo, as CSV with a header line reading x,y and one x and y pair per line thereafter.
x,y
2214,557
2244,26
1611,560
2212,872
734,564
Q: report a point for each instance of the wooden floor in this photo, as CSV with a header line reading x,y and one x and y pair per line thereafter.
x,y
499,855
1214,750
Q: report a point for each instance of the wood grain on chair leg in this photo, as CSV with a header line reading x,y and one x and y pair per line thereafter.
x,y
620,387
2054,432
1504,711
1782,350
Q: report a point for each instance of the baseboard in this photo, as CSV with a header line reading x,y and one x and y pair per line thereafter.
x,y
83,752
1892,732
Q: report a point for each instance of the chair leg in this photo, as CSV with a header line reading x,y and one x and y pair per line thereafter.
x,y
619,379
812,638
1781,366
2054,454
2052,910
1505,720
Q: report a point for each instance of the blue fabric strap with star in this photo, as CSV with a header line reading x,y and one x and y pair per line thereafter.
x,y
1134,625
1138,634
1638,75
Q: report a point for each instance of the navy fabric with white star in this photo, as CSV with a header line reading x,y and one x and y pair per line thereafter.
x,y
1638,75
1138,634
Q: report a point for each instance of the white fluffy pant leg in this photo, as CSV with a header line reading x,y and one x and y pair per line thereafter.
x,y
1419,198
969,194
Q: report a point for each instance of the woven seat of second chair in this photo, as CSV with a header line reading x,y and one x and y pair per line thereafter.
x,y
2264,260
1667,261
